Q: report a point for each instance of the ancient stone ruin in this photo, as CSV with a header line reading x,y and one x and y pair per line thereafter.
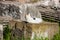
x,y
28,20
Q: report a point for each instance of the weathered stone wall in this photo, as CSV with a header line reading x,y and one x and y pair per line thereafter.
x,y
50,13
45,29
25,29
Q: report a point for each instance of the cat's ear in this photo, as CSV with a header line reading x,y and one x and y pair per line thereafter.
x,y
28,14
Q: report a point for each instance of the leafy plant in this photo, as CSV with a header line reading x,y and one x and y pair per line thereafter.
x,y
6,33
56,37
40,38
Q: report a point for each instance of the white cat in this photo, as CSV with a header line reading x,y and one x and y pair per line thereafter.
x,y
33,20
30,14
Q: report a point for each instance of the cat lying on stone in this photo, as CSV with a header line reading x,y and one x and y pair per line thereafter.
x,y
20,13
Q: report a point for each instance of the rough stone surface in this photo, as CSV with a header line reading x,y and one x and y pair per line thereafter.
x,y
50,13
11,11
7,12
45,29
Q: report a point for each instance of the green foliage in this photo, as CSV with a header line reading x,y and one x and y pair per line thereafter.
x,y
40,38
56,37
6,33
